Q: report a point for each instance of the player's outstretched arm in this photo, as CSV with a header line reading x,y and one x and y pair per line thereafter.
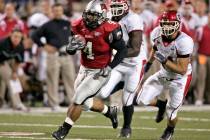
x,y
149,61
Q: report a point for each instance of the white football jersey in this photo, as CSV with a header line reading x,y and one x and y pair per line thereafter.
x,y
132,22
182,45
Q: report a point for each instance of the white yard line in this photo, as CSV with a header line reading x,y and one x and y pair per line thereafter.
x,y
99,127
40,138
187,119
137,109
20,134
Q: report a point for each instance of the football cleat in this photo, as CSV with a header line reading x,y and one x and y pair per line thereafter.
x,y
125,133
61,133
167,135
113,116
161,111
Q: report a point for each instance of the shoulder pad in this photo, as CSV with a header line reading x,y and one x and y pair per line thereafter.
x,y
75,25
109,26
115,35
76,22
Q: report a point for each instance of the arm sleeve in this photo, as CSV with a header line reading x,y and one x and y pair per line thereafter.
x,y
134,23
185,46
19,57
117,43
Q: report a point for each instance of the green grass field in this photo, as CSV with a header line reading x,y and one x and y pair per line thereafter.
x,y
193,125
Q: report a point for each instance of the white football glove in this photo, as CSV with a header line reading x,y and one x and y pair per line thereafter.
x,y
105,72
77,42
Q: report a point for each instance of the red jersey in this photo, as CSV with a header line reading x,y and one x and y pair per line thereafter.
x,y
7,26
97,53
203,40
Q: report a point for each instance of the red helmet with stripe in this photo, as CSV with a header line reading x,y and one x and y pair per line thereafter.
x,y
170,22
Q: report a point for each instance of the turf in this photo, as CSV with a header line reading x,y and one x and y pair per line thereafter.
x,y
191,126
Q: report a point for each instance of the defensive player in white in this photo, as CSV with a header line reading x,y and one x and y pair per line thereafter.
x,y
173,49
131,70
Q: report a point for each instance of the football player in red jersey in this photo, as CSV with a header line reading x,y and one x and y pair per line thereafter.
x,y
95,36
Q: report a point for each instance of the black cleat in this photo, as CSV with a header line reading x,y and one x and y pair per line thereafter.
x,y
113,116
167,135
161,111
125,133
61,133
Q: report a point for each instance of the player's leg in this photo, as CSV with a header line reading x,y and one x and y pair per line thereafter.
x,y
86,89
161,104
68,123
97,105
114,79
151,88
176,95
132,81
118,87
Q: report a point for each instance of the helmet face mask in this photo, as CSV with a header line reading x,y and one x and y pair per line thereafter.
x,y
170,23
119,8
94,14
169,27
92,19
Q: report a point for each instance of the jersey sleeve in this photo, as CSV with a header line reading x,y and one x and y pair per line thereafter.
x,y
134,22
156,33
110,26
185,46
76,26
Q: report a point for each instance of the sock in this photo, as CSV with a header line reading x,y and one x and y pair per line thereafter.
x,y
170,128
127,113
105,110
107,114
68,123
161,104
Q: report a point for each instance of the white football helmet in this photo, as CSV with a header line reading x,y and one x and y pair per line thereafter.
x,y
119,7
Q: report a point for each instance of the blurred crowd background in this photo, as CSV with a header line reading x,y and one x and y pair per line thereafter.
x,y
45,76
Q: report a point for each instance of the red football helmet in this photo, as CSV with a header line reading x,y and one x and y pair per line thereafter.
x,y
170,22
119,7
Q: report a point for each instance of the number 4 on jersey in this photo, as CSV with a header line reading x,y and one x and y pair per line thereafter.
x,y
89,50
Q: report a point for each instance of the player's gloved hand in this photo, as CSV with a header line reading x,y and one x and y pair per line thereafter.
x,y
160,57
77,42
105,72
147,67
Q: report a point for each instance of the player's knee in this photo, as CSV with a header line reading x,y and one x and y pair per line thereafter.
x,y
171,112
142,101
128,98
102,94
77,100
129,89
88,104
